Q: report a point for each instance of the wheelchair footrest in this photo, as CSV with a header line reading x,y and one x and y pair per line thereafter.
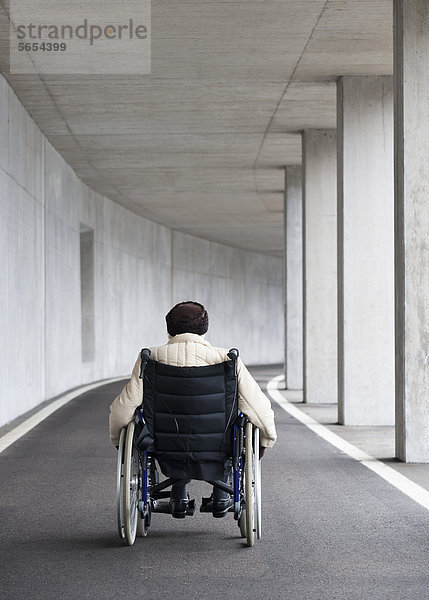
x,y
163,506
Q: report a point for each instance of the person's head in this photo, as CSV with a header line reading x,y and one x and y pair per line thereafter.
x,y
187,317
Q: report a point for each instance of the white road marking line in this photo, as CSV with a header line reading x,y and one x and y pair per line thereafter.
x,y
402,483
26,426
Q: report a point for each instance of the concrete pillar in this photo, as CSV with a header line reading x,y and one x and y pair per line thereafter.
x,y
320,265
411,64
293,285
365,251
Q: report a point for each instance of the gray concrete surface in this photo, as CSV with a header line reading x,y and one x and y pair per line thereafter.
x,y
139,270
378,441
214,124
366,347
411,228
320,265
332,529
293,278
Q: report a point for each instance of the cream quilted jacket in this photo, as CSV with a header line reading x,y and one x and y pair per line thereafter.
x,y
191,350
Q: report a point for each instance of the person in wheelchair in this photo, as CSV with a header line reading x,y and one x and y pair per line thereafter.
x,y
187,324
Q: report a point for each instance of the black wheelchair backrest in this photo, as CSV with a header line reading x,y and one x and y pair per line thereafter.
x,y
189,412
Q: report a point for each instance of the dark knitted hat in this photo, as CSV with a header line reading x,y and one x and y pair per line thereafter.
x,y
187,317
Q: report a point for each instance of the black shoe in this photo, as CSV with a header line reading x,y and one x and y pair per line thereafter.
x,y
221,507
179,507
207,504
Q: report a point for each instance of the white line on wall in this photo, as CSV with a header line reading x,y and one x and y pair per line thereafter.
x,y
408,487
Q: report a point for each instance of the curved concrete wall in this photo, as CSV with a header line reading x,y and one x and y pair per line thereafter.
x,y
139,270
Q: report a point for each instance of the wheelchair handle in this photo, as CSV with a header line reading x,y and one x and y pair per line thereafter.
x,y
233,354
144,355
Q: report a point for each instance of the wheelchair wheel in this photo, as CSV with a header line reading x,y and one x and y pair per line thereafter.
x,y
242,524
258,487
130,497
119,485
249,486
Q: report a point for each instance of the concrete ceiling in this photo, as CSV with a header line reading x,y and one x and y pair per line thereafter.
x,y
200,144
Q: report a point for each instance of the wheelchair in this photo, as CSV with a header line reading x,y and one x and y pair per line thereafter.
x,y
143,449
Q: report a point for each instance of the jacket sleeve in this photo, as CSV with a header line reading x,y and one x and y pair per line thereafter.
x,y
124,405
255,404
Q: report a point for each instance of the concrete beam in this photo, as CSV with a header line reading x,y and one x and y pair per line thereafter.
x,y
365,251
293,281
320,265
411,44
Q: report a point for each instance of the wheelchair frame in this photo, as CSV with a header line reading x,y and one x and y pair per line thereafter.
x,y
139,492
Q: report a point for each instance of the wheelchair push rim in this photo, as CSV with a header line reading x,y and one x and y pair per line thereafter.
x,y
131,486
119,485
258,487
251,528
249,486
